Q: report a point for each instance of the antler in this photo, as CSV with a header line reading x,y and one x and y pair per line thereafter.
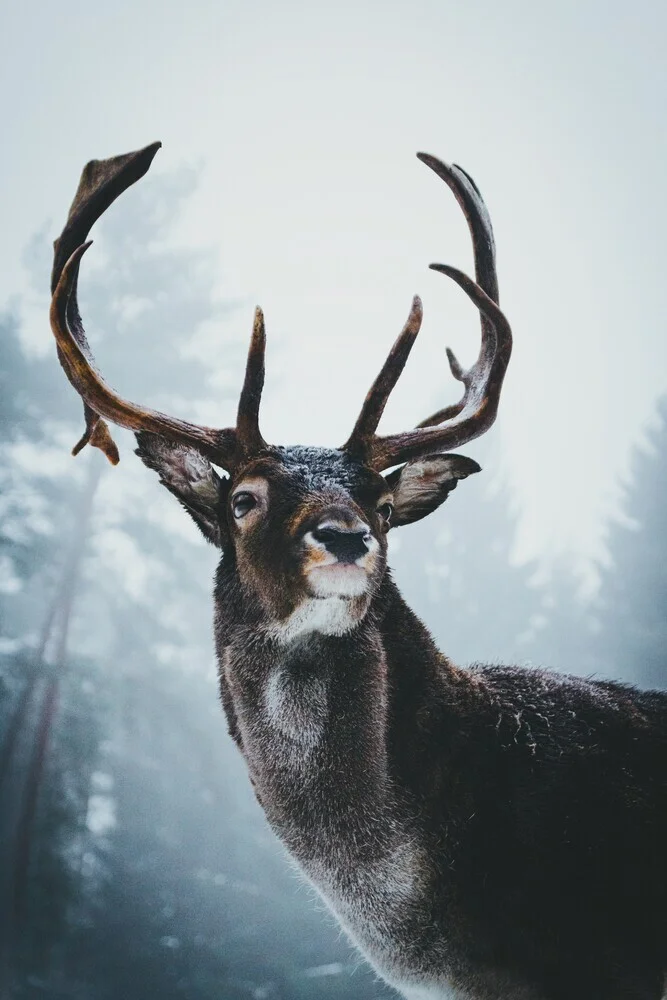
x,y
477,409
102,181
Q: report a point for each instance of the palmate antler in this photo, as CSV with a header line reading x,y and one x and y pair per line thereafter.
x,y
477,409
101,183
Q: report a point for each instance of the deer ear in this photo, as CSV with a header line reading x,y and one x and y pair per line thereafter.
x,y
423,484
192,480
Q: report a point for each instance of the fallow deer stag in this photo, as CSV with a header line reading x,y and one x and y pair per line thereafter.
x,y
491,833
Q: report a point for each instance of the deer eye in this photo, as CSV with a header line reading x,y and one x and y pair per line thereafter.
x,y
385,510
242,503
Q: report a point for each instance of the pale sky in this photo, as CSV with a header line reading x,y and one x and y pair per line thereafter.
x,y
303,120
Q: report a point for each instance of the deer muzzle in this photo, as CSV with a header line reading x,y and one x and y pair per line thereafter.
x,y
340,556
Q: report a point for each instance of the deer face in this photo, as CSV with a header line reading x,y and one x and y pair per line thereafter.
x,y
303,525
312,518
300,525
311,524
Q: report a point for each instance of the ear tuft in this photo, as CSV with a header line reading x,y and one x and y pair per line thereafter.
x,y
189,477
423,484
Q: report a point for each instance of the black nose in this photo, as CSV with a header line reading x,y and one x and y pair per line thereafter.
x,y
347,546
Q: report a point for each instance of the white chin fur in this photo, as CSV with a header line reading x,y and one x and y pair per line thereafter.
x,y
326,615
338,580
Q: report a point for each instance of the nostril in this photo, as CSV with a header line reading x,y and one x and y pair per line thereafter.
x,y
325,535
347,546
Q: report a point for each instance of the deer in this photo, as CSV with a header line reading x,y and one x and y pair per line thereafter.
x,y
485,832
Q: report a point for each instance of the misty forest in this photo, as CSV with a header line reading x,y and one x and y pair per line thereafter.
x,y
135,860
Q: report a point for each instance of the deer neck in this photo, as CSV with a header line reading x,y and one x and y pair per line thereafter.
x,y
322,719
340,736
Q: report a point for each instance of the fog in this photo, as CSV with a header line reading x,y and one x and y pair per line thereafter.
x,y
135,860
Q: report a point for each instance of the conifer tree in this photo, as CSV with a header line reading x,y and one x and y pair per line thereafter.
x,y
633,594
457,571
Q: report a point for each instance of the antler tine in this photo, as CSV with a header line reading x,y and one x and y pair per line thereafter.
x,y
102,181
362,435
247,420
476,411
477,216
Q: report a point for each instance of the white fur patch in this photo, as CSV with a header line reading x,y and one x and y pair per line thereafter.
x,y
296,709
328,615
338,580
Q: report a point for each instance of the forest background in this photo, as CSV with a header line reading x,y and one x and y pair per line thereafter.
x,y
134,860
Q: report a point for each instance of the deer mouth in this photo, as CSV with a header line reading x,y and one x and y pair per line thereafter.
x,y
338,579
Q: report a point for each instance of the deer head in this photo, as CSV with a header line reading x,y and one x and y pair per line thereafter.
x,y
302,524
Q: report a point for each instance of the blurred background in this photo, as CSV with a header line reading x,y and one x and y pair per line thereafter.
x,y
134,861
